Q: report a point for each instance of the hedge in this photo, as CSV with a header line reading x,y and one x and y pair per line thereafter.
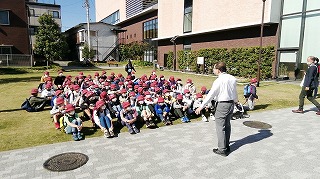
x,y
240,62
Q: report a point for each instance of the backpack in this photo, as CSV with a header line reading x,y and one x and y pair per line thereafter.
x,y
26,106
247,90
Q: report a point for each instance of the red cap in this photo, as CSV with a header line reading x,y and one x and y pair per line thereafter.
x,y
160,100
60,71
199,95
119,75
112,96
59,100
69,107
76,87
165,91
103,72
186,91
179,97
253,80
161,76
89,93
147,93
132,94
125,104
136,86
48,85
153,77
145,85
140,98
171,78
103,95
113,86
81,73
122,91
121,83
34,91
140,89
129,86
46,73
189,80
49,78
99,104
157,89
96,74
112,73
203,88
58,92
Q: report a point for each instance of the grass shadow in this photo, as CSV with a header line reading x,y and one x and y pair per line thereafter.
x,y
261,106
6,71
262,134
11,110
16,80
88,131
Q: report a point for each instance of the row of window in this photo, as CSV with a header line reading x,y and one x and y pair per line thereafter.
x,y
55,14
4,17
150,29
112,19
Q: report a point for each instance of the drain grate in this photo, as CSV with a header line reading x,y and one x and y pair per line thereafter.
x,y
65,162
257,124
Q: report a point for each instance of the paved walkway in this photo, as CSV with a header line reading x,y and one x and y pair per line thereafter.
x,y
290,149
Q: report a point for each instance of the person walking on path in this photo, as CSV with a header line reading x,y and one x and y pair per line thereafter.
x,y
224,91
308,84
129,68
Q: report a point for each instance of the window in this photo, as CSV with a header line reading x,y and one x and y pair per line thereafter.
x,y
31,12
55,14
112,19
81,36
4,17
150,29
187,19
33,30
93,33
5,50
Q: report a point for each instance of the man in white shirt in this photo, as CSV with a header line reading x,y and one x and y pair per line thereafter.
x,y
224,91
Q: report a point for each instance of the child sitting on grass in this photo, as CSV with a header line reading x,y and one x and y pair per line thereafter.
x,y
73,123
144,112
129,117
103,118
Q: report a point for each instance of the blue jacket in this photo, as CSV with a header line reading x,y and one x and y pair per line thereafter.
x,y
311,77
160,109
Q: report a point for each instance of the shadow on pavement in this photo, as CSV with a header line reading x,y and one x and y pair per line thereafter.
x,y
263,134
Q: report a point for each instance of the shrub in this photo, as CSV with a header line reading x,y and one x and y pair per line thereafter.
x,y
240,62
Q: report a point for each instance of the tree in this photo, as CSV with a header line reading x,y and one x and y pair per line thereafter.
x,y
50,43
133,50
86,53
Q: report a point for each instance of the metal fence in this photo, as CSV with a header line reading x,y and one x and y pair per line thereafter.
x,y
10,60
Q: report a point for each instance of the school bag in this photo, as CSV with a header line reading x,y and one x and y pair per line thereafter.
x,y
247,90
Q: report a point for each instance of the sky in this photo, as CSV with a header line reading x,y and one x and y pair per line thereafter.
x,y
73,12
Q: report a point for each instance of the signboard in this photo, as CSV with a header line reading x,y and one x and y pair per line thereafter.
x,y
200,60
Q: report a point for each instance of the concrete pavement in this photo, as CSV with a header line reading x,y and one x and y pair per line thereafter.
x,y
290,149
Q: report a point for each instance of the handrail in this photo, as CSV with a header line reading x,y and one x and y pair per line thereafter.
x,y
112,47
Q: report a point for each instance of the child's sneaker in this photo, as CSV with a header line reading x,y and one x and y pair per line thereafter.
x,y
186,119
130,130
75,137
183,120
212,117
111,133
136,130
106,133
57,125
80,136
147,124
204,118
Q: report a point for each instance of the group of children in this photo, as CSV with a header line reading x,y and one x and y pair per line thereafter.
x,y
129,99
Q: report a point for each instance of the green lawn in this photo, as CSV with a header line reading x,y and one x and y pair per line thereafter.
x,y
20,129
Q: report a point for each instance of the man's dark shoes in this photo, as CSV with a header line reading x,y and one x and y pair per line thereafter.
x,y
297,111
228,149
220,152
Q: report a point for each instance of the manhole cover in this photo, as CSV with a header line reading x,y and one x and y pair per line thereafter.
x,y
257,124
65,162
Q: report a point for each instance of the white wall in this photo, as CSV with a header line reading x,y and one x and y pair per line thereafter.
x,y
211,15
106,7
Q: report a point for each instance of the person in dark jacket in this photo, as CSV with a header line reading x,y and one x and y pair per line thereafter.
x,y
308,84
37,103
129,68
58,81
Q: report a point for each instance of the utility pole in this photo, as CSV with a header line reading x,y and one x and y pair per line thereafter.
x,y
87,6
260,46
